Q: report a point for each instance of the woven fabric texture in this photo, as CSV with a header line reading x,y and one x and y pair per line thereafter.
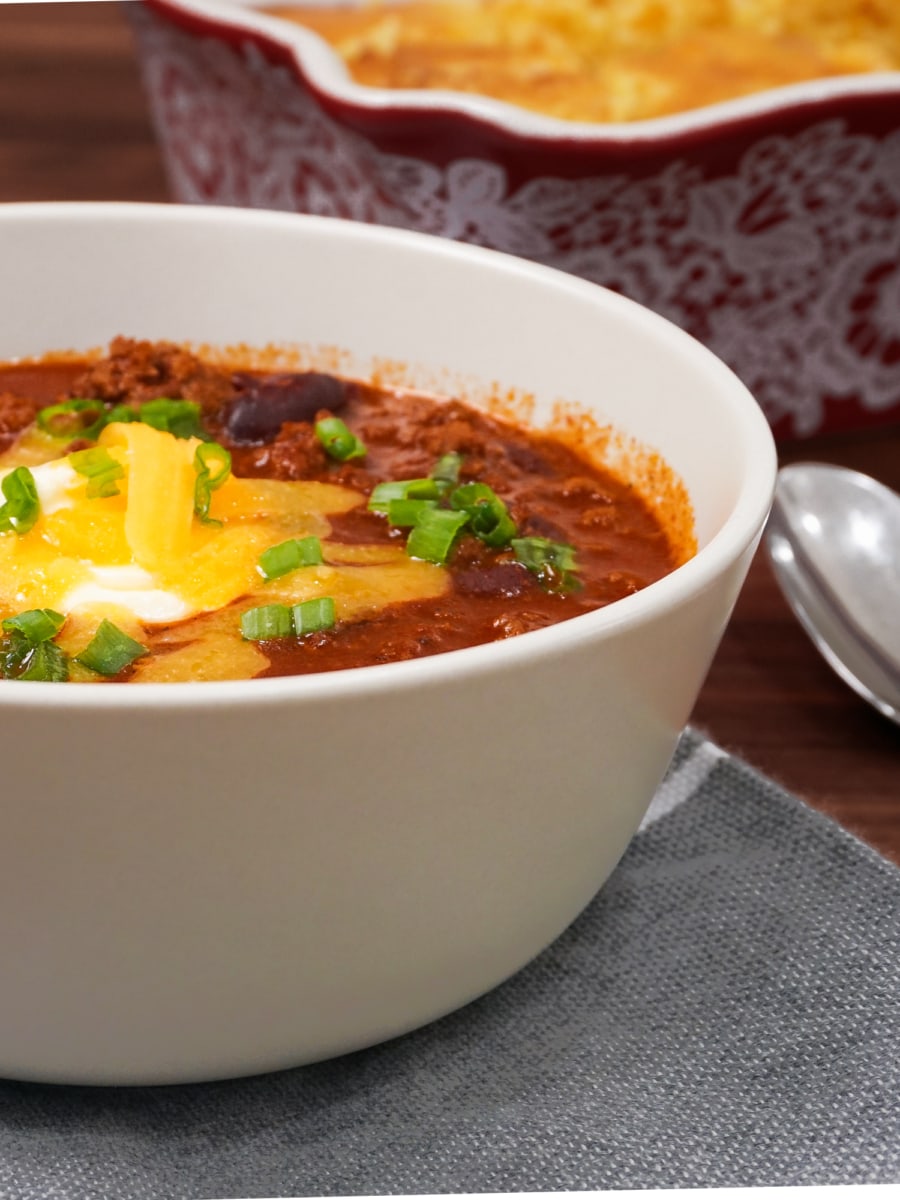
x,y
726,1012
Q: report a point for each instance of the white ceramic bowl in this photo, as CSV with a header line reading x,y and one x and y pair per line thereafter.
x,y
204,880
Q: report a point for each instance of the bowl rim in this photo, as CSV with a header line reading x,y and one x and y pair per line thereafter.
x,y
321,69
739,532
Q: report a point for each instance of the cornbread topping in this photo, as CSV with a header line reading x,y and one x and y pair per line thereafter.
x,y
607,60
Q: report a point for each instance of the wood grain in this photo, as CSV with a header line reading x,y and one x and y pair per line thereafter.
x,y
73,121
74,125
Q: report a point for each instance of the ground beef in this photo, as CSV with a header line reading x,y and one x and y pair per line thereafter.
x,y
15,413
134,372
296,453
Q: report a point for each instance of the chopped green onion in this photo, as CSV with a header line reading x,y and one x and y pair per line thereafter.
x,y
384,493
446,471
181,418
404,513
46,663
27,651
37,624
489,517
86,418
101,470
110,650
338,441
122,414
288,556
279,620
267,621
433,535
402,489
73,418
212,463
553,562
22,507
15,648
314,615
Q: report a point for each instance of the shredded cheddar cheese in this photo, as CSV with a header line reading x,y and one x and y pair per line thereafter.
x,y
142,558
159,510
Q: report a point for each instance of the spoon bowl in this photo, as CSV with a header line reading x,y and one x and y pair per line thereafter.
x,y
833,539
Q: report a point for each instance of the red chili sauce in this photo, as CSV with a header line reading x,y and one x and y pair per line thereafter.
x,y
266,421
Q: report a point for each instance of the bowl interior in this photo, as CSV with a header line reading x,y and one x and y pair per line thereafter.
x,y
433,313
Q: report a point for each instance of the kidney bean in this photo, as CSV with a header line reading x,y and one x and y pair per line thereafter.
x,y
264,404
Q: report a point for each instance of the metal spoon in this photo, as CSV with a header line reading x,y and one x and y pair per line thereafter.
x,y
833,539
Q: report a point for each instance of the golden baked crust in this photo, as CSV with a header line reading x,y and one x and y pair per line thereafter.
x,y
608,60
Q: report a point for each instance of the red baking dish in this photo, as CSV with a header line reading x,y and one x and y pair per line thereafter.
x,y
768,227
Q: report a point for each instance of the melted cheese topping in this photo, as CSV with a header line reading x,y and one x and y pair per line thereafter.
x,y
607,60
143,559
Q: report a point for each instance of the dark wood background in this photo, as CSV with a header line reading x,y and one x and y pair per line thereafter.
x,y
74,125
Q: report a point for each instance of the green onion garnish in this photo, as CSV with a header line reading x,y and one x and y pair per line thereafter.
x,y
181,418
101,470
86,418
267,621
446,471
46,663
314,615
489,517
37,624
404,513
288,556
122,414
402,489
279,620
212,463
110,650
433,535
15,647
553,562
22,507
73,418
338,441
26,649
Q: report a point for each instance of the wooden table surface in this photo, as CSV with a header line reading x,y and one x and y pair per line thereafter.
x,y
73,125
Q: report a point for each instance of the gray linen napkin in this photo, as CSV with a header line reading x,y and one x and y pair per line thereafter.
x,y
725,1013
